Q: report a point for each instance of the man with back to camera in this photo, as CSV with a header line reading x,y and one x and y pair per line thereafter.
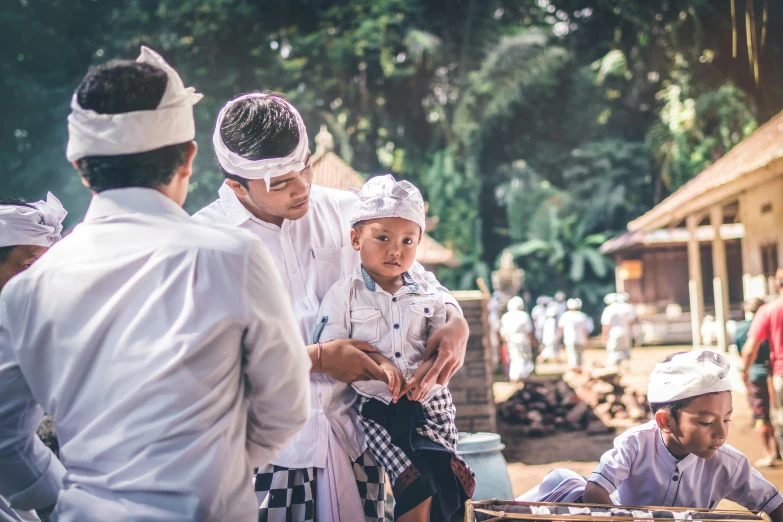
x,y
142,333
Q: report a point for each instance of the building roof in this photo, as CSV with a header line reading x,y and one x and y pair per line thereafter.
x,y
329,170
669,236
755,152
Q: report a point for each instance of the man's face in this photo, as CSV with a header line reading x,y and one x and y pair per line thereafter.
x,y
288,196
19,259
703,426
387,246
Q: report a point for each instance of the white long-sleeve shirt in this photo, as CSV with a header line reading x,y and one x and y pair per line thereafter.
x,y
311,254
162,348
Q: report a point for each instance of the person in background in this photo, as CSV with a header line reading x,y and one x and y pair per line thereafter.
x,y
516,327
758,388
538,315
27,230
615,322
550,337
574,328
767,325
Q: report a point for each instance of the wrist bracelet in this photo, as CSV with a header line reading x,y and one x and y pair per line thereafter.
x,y
320,353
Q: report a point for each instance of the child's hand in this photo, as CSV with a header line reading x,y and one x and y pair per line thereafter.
x,y
414,387
393,378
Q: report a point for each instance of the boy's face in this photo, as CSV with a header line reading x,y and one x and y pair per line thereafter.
x,y
387,246
19,259
288,196
702,427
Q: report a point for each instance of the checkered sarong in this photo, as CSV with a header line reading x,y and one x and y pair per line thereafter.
x,y
288,495
440,427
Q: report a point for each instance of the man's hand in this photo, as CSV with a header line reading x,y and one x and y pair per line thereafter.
x,y
448,344
393,374
415,387
346,360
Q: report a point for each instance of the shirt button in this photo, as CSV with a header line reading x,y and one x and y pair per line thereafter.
x,y
397,354
293,269
394,299
396,326
674,478
426,310
305,306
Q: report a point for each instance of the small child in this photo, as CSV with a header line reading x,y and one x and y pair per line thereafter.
x,y
679,459
574,327
410,430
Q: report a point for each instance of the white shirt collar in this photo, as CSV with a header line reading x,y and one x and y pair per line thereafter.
x,y
132,200
238,215
669,460
411,282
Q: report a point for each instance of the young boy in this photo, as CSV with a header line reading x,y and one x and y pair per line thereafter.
x,y
574,328
679,459
409,428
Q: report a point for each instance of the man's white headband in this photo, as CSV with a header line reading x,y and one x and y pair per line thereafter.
x,y
38,226
94,134
268,168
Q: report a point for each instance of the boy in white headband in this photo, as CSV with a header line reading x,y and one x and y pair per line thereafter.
x,y
409,426
262,148
27,230
681,457
141,333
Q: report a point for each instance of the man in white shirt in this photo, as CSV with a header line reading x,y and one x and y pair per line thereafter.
x,y
262,147
516,327
27,230
142,333
574,328
616,329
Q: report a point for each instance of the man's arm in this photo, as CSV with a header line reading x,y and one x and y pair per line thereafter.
x,y
749,353
596,494
758,333
30,474
276,365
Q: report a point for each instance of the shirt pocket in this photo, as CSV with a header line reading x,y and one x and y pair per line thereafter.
x,y
366,324
421,315
328,266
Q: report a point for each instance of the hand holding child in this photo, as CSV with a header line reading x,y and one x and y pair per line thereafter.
x,y
417,387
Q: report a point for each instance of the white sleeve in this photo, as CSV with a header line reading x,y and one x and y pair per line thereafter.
x,y
431,280
334,315
277,367
615,464
30,474
606,317
748,488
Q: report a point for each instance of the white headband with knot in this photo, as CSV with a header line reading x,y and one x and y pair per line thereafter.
x,y
172,122
267,168
384,197
38,226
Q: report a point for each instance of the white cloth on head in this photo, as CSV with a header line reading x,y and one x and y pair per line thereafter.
x,y
515,303
385,197
93,134
38,226
689,374
266,168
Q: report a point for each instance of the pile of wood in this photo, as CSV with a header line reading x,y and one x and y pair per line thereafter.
x,y
593,401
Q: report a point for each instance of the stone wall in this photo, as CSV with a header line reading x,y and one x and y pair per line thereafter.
x,y
471,387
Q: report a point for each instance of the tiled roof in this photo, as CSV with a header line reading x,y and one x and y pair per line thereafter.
x,y
756,151
670,235
329,170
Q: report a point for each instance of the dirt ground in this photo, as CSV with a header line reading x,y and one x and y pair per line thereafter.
x,y
581,453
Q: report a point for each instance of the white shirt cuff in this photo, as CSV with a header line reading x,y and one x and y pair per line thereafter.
x,y
43,492
773,503
602,481
449,299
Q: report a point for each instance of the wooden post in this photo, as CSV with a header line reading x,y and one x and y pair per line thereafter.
x,y
721,274
696,282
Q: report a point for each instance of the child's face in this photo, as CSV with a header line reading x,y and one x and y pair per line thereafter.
x,y
702,427
387,246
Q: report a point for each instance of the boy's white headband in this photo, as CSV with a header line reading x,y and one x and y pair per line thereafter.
x,y
172,122
268,168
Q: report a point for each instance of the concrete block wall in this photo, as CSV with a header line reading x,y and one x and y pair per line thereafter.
x,y
471,387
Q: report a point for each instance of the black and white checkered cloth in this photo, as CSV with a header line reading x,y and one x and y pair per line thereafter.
x,y
440,427
288,495
508,510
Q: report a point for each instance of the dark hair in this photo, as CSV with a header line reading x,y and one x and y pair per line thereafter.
x,y
6,251
257,128
753,305
117,87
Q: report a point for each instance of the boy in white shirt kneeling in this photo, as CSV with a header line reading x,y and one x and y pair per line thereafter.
x,y
679,459
409,429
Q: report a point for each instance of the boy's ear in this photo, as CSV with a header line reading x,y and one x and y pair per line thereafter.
x,y
237,187
664,420
355,239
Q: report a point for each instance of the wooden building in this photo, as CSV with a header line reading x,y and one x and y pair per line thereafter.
x,y
722,268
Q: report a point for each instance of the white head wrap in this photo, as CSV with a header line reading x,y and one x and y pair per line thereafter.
x,y
94,134
623,297
687,375
268,168
611,298
574,304
384,197
39,226
515,303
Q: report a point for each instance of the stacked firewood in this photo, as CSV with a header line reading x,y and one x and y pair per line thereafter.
x,y
593,401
